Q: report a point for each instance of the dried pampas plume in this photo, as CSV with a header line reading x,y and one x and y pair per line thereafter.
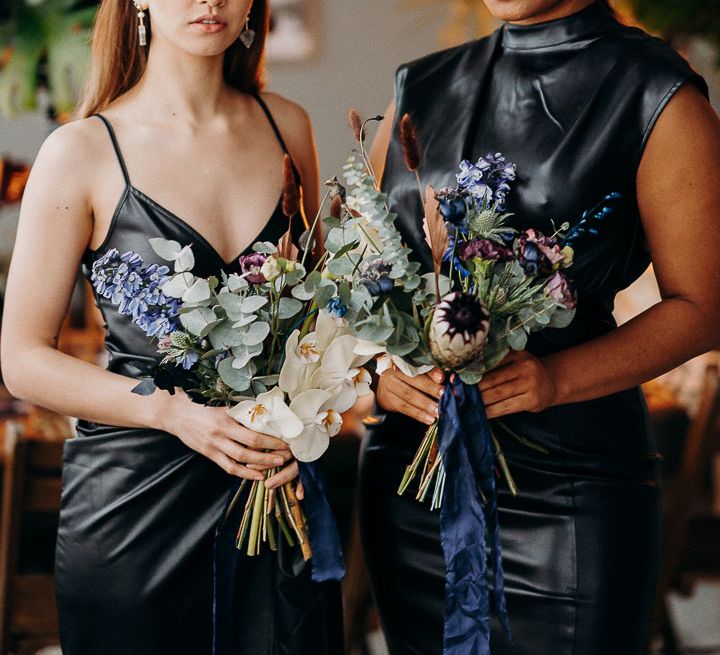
x,y
356,125
409,142
291,193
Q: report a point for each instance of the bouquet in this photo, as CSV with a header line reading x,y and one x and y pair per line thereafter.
x,y
269,343
491,287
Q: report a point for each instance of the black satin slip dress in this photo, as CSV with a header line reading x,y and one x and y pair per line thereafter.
x,y
571,102
134,555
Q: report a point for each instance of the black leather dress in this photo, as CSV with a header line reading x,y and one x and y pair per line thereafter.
x,y
571,102
134,557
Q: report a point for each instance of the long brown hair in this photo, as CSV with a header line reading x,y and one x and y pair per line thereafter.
x,y
118,60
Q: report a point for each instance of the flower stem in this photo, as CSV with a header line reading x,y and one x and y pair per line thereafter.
x,y
503,465
297,516
420,457
257,513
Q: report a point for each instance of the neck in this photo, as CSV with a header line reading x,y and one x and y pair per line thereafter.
x,y
561,9
179,84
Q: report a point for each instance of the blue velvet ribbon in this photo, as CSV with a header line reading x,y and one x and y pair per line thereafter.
x,y
467,524
326,564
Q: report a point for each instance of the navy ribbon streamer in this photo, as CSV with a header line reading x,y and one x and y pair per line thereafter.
x,y
326,564
466,446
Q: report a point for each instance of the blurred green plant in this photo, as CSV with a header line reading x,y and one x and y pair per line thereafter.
x,y
44,43
679,18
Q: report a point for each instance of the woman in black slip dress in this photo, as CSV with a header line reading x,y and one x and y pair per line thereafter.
x,y
584,106
186,148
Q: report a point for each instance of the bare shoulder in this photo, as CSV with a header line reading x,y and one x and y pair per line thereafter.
x,y
296,129
288,114
72,151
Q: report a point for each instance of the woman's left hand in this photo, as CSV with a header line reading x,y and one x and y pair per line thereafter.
x,y
521,383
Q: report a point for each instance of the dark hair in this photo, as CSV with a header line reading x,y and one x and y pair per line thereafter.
x,y
607,5
118,62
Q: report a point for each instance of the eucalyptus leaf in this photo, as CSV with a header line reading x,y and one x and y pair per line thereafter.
x,y
256,333
245,320
265,247
301,293
177,285
306,241
232,304
185,260
197,320
237,282
236,379
198,292
225,336
517,338
335,240
289,307
210,327
341,266
165,248
251,304
561,318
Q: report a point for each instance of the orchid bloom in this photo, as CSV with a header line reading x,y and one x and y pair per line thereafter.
x,y
342,374
303,357
268,414
387,361
321,422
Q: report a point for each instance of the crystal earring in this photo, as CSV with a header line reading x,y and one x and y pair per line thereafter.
x,y
142,31
247,36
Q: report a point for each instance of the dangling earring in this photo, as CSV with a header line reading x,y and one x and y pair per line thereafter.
x,y
142,32
247,36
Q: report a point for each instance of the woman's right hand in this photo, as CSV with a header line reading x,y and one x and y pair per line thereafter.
x,y
416,397
213,433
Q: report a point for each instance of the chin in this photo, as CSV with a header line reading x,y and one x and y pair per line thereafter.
x,y
521,10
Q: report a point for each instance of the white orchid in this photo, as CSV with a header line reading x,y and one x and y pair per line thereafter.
x,y
303,357
268,414
321,421
387,361
341,373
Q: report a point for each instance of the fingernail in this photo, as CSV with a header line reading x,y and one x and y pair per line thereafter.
x,y
437,411
429,419
438,376
278,461
269,485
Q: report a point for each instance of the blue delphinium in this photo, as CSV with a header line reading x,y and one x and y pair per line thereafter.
x,y
487,180
136,290
588,222
337,307
453,206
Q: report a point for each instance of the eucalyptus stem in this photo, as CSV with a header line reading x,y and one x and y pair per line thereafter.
x,y
313,227
504,465
420,455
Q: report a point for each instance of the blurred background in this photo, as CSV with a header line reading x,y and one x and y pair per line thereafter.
x,y
330,55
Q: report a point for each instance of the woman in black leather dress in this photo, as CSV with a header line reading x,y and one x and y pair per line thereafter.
x,y
186,148
584,106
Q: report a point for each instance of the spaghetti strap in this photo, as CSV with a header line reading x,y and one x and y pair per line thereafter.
x,y
271,120
116,147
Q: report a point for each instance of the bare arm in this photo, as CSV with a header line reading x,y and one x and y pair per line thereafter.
x,y
679,202
55,227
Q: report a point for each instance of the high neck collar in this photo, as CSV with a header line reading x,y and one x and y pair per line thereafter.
x,y
574,27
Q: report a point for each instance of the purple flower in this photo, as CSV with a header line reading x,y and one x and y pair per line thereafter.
x,y
561,291
484,249
251,265
538,254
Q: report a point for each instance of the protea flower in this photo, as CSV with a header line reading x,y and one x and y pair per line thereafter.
x,y
458,330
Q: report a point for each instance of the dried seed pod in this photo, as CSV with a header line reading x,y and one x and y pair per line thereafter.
x,y
409,143
291,194
356,125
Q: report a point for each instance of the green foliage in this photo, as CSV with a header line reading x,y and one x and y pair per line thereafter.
x,y
680,17
48,42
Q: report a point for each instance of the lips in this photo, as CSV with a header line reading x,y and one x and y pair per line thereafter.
x,y
209,20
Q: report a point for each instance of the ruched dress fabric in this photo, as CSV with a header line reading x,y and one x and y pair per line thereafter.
x,y
572,102
134,555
